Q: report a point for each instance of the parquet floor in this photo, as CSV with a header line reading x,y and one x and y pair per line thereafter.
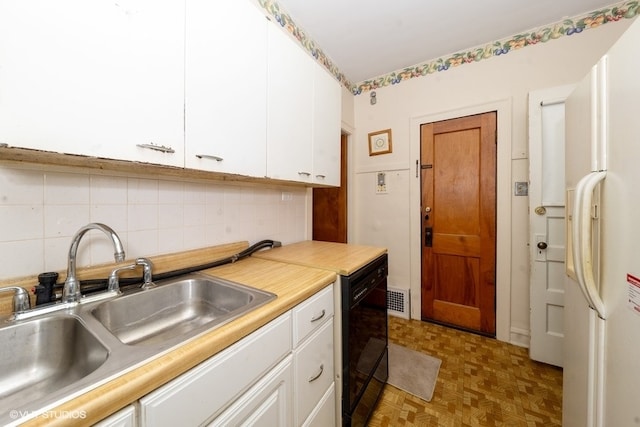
x,y
482,382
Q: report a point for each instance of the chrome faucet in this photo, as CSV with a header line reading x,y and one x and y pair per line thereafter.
x,y
147,275
113,283
21,301
71,289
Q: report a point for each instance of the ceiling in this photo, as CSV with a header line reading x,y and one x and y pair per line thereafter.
x,y
366,39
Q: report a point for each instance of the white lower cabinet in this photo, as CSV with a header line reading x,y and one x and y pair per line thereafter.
x,y
280,375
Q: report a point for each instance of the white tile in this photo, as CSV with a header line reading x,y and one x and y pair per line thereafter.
x,y
60,220
21,222
195,237
195,193
142,243
194,215
215,194
170,216
56,254
115,216
214,214
108,190
142,217
21,187
142,191
171,240
21,258
215,234
170,192
66,188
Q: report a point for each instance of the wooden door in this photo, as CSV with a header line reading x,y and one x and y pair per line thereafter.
x,y
330,205
458,164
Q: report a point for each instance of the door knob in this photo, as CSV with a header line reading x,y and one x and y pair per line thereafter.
x,y
542,245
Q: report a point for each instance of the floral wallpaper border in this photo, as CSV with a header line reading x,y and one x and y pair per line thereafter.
x,y
566,27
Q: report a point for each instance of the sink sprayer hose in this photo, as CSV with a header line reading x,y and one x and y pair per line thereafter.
x,y
96,285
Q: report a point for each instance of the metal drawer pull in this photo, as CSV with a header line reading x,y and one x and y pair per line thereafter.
x,y
316,376
155,147
304,173
321,176
318,317
208,156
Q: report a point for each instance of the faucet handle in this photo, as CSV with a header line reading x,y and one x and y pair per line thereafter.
x,y
114,283
147,273
21,301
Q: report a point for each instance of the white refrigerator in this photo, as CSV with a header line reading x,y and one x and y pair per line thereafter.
x,y
602,294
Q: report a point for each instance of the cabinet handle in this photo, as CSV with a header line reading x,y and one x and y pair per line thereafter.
x,y
321,176
318,317
303,173
209,156
155,147
316,376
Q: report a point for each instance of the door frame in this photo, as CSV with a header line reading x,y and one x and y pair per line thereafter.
x,y
503,208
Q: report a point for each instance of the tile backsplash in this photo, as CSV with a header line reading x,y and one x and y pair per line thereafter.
x,y
41,208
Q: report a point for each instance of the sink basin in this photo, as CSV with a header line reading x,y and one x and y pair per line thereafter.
x,y
45,355
177,309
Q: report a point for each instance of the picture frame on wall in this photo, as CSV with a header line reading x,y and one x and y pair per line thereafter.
x,y
380,142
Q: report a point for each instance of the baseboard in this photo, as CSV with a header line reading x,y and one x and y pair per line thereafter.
x,y
519,337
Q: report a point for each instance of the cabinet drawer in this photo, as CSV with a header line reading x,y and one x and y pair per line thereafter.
x,y
312,313
207,389
268,403
313,363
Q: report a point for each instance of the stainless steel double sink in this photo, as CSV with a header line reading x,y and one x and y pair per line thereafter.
x,y
52,357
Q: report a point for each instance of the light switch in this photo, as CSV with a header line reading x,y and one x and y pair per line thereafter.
x,y
521,188
381,183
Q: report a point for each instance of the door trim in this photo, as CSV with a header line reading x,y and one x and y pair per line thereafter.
x,y
503,208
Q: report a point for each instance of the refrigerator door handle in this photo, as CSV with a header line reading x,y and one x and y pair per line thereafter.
x,y
582,240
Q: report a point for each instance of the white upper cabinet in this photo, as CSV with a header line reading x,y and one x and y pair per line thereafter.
x,y
100,78
289,109
226,87
198,84
303,115
327,115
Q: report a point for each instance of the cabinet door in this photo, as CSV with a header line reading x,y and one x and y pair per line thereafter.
x,y
226,87
289,109
93,77
327,116
266,404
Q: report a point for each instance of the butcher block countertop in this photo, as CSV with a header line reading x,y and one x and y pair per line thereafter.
x,y
291,283
344,259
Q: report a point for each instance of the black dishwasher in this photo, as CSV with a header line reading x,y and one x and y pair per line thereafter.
x,y
365,366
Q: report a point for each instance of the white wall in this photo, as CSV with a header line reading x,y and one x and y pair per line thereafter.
x,y
387,220
41,208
